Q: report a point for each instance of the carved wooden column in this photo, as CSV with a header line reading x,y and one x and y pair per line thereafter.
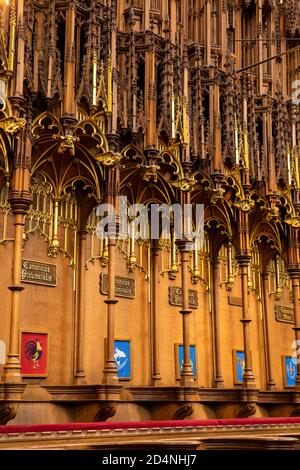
x,y
20,201
271,385
146,5
20,49
173,14
187,376
155,312
69,75
38,51
294,272
215,265
222,25
51,35
268,142
259,46
244,262
110,369
208,32
294,149
237,19
12,368
217,144
243,258
81,310
150,95
245,94
296,293
12,38
19,197
112,70
185,246
110,376
185,103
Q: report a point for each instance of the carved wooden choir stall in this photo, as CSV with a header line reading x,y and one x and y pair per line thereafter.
x,y
164,102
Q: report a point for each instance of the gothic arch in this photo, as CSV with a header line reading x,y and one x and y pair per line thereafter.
x,y
143,180
71,158
268,248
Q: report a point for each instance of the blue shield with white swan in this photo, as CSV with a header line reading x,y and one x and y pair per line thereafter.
x,y
122,358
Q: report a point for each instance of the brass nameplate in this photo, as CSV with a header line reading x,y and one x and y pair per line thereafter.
x,y
124,287
35,272
175,297
284,314
236,301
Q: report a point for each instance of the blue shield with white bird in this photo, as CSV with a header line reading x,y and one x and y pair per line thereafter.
x,y
122,358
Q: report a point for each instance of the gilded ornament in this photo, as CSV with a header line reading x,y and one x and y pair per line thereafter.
x,y
185,184
245,205
293,221
109,158
12,125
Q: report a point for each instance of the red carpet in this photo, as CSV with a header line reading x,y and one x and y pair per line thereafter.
x,y
20,428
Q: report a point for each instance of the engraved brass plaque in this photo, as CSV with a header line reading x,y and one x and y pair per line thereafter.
x,y
124,287
236,301
284,314
35,272
175,297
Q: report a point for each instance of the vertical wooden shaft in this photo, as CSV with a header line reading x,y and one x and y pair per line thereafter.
x,y
187,376
217,144
81,310
222,24
295,287
155,327
248,378
270,381
259,57
238,46
12,36
69,78
146,15
208,33
185,15
185,118
230,276
112,82
151,133
218,379
283,62
272,184
12,368
172,14
20,49
55,220
245,130
94,80
51,49
19,229
38,51
5,10
110,370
